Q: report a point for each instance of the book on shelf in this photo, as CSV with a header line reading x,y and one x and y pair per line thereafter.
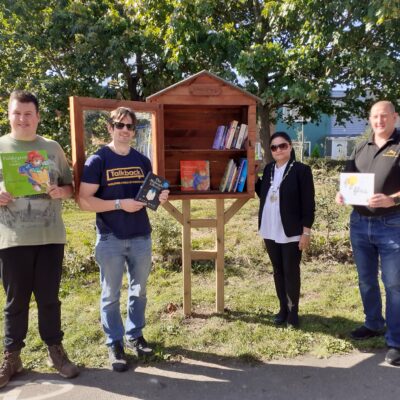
x,y
232,178
195,175
240,168
226,130
230,134
243,176
225,177
219,136
26,173
235,137
150,190
242,136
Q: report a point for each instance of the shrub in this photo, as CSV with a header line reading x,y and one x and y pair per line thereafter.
x,y
167,243
315,152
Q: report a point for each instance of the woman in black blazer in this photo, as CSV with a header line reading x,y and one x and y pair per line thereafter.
x,y
287,206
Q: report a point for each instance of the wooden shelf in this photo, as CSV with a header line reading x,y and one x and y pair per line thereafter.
x,y
225,151
210,194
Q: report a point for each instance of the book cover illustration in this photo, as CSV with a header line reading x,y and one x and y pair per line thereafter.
x,y
150,190
357,188
25,173
195,175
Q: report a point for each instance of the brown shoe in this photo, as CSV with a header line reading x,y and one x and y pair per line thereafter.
x,y
59,360
11,365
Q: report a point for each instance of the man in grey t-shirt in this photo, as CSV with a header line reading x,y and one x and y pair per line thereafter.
x,y
32,237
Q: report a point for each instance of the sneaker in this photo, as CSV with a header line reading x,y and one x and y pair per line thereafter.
x,y
11,365
139,346
117,357
393,356
363,333
58,359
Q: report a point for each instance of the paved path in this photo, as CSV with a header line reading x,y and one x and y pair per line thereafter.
x,y
356,376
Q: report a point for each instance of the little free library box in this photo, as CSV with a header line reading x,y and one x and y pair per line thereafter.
x,y
185,121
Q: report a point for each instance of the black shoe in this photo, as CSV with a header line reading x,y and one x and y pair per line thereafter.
x,y
280,318
393,356
117,357
363,333
139,346
293,320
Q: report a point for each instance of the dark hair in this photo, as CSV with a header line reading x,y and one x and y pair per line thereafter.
x,y
283,135
120,113
24,96
286,137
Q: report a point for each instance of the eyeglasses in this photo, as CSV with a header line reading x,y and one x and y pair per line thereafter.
x,y
280,146
121,125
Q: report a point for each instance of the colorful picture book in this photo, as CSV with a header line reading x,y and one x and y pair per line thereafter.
x,y
150,190
230,136
195,175
25,173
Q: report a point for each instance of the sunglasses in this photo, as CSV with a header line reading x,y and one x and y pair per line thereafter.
x,y
280,146
121,125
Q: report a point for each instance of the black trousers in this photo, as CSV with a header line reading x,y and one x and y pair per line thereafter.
x,y
285,259
26,270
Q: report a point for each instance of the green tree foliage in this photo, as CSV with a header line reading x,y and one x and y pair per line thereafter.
x,y
99,48
287,52
294,52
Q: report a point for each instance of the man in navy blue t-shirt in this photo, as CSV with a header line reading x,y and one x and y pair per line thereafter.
x,y
111,179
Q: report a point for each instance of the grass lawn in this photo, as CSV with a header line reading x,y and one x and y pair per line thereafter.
x,y
329,307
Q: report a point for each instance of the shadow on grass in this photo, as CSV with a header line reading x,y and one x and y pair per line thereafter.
x,y
337,327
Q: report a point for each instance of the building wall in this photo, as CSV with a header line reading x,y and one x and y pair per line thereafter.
x,y
313,133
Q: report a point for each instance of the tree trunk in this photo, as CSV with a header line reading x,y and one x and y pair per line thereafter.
x,y
265,130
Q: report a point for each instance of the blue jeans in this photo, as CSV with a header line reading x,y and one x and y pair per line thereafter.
x,y
114,256
377,239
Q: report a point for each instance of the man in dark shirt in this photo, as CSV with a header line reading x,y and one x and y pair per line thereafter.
x,y
375,229
110,181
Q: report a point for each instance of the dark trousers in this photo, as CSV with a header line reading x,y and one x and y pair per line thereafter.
x,y
285,259
26,270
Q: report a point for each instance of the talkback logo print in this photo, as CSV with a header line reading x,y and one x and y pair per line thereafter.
x,y
123,174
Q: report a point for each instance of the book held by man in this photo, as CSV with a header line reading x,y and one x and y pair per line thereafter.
x,y
150,190
195,175
25,173
357,188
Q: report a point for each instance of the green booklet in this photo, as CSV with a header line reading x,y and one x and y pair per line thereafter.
x,y
25,173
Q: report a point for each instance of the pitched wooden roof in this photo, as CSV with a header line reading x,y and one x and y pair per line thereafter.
x,y
196,76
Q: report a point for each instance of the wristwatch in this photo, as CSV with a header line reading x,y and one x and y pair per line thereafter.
x,y
117,204
396,200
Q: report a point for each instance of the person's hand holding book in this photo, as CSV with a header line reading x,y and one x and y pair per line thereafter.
x,y
5,198
163,196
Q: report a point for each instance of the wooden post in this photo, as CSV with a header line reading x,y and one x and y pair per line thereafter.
x,y
186,258
188,255
219,264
